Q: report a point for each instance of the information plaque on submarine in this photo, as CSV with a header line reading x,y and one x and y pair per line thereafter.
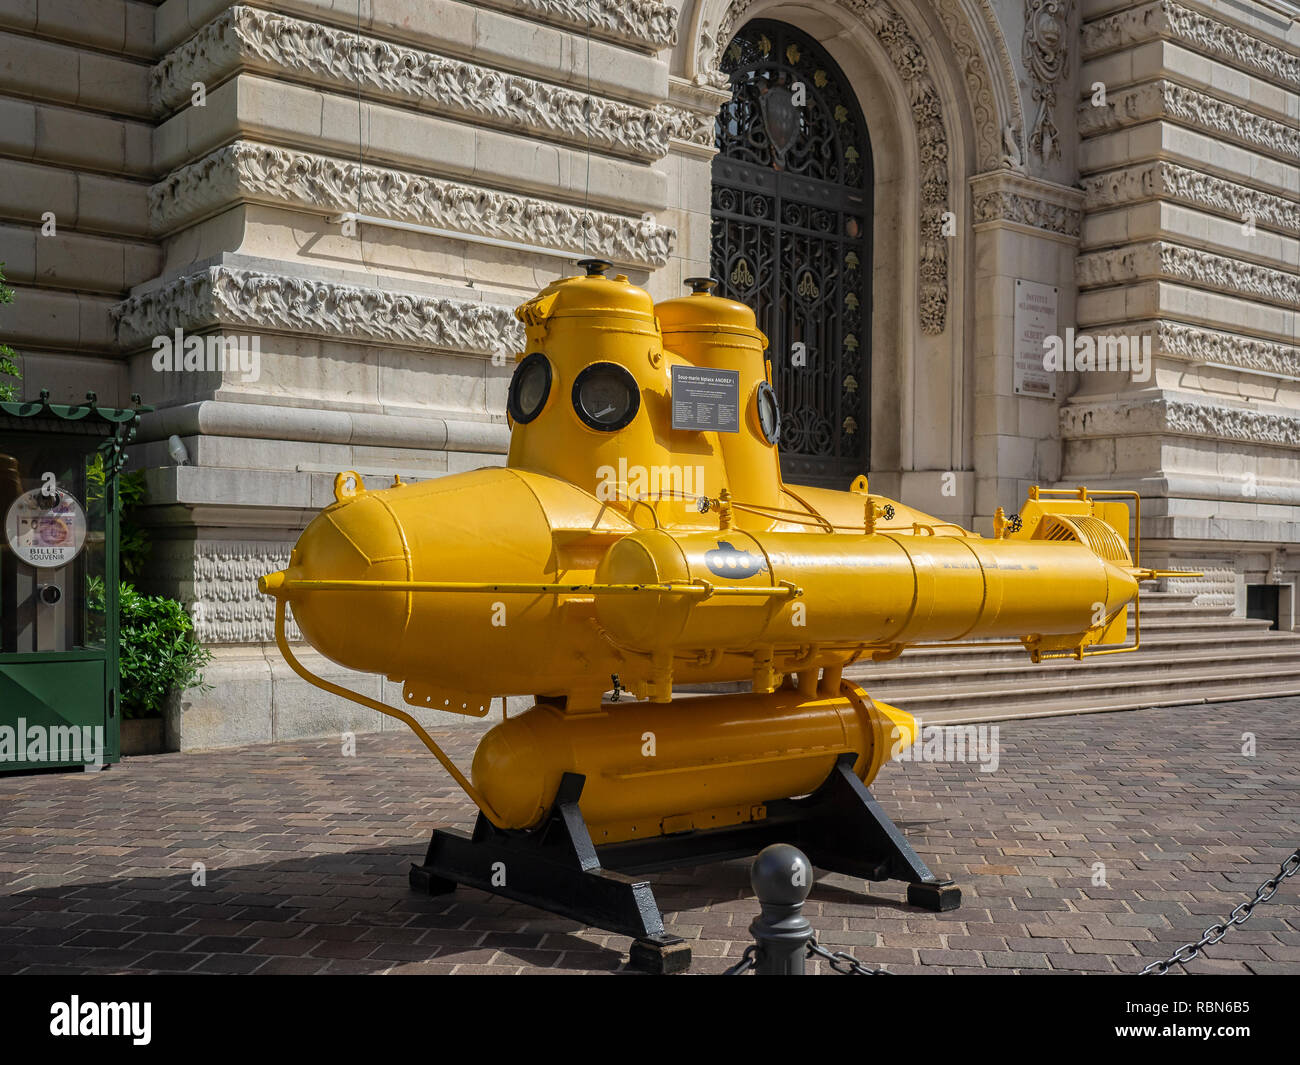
x,y
706,399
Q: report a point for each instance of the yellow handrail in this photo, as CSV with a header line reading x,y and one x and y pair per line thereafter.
x,y
278,585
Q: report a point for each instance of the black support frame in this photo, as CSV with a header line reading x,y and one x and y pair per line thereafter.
x,y
556,866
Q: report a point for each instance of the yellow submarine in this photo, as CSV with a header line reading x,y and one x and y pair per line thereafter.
x,y
640,539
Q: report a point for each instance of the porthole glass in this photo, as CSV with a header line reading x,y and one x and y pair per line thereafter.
x,y
769,413
529,388
606,397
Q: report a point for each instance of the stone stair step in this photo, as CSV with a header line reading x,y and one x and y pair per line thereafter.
x,y
1064,705
1189,681
1118,665
959,656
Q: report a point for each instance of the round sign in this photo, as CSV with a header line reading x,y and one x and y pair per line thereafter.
x,y
44,530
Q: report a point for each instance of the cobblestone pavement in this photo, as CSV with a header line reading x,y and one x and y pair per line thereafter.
x,y
306,853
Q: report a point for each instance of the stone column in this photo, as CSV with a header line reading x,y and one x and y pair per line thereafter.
x,y
1025,229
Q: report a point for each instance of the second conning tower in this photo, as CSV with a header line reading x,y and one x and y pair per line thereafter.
x,y
713,333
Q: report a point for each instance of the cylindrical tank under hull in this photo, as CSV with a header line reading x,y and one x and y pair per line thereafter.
x,y
695,763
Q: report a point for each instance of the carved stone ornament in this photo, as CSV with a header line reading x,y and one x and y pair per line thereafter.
x,y
1200,345
251,299
248,171
249,38
1008,206
1002,196
649,24
1166,180
228,609
1047,61
1179,417
1177,262
1198,31
1169,100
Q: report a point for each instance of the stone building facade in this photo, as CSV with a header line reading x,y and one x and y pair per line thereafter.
x,y
360,191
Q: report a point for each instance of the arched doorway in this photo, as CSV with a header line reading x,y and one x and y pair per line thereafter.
x,y
792,214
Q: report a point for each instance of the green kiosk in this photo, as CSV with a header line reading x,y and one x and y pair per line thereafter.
x,y
59,581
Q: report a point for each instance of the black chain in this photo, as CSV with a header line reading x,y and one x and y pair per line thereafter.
x,y
747,961
1216,932
841,961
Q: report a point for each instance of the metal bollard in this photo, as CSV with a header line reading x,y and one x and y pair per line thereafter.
x,y
782,877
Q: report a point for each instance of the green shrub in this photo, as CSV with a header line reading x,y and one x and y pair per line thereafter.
x,y
133,543
8,368
157,647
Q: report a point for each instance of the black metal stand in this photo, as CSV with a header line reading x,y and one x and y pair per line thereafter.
x,y
556,867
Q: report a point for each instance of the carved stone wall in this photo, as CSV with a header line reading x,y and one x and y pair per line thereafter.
x,y
1191,218
251,299
247,171
218,582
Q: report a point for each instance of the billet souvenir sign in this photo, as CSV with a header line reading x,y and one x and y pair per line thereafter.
x,y
46,527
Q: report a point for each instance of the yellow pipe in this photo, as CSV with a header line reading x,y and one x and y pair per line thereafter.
x,y
363,700
277,584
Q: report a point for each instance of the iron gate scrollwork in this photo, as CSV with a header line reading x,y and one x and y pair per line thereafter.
x,y
791,216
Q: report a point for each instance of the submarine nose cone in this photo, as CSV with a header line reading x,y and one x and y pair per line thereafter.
x,y
1121,588
357,629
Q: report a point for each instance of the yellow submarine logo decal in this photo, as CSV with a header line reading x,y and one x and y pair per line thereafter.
x,y
728,561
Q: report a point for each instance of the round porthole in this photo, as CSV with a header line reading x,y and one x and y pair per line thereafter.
x,y
769,413
529,388
606,397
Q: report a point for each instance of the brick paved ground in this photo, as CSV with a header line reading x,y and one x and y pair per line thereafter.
x,y
306,854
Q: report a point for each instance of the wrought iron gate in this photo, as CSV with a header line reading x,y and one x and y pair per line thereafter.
x,y
792,200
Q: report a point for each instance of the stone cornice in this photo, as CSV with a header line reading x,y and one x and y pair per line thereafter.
x,y
259,301
245,38
1166,180
1006,196
1163,260
1169,100
1196,344
646,23
1166,416
1198,31
246,171
699,104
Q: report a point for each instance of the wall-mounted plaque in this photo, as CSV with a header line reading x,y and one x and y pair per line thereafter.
x,y
1035,321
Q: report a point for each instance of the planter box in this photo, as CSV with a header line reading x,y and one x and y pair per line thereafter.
x,y
143,735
